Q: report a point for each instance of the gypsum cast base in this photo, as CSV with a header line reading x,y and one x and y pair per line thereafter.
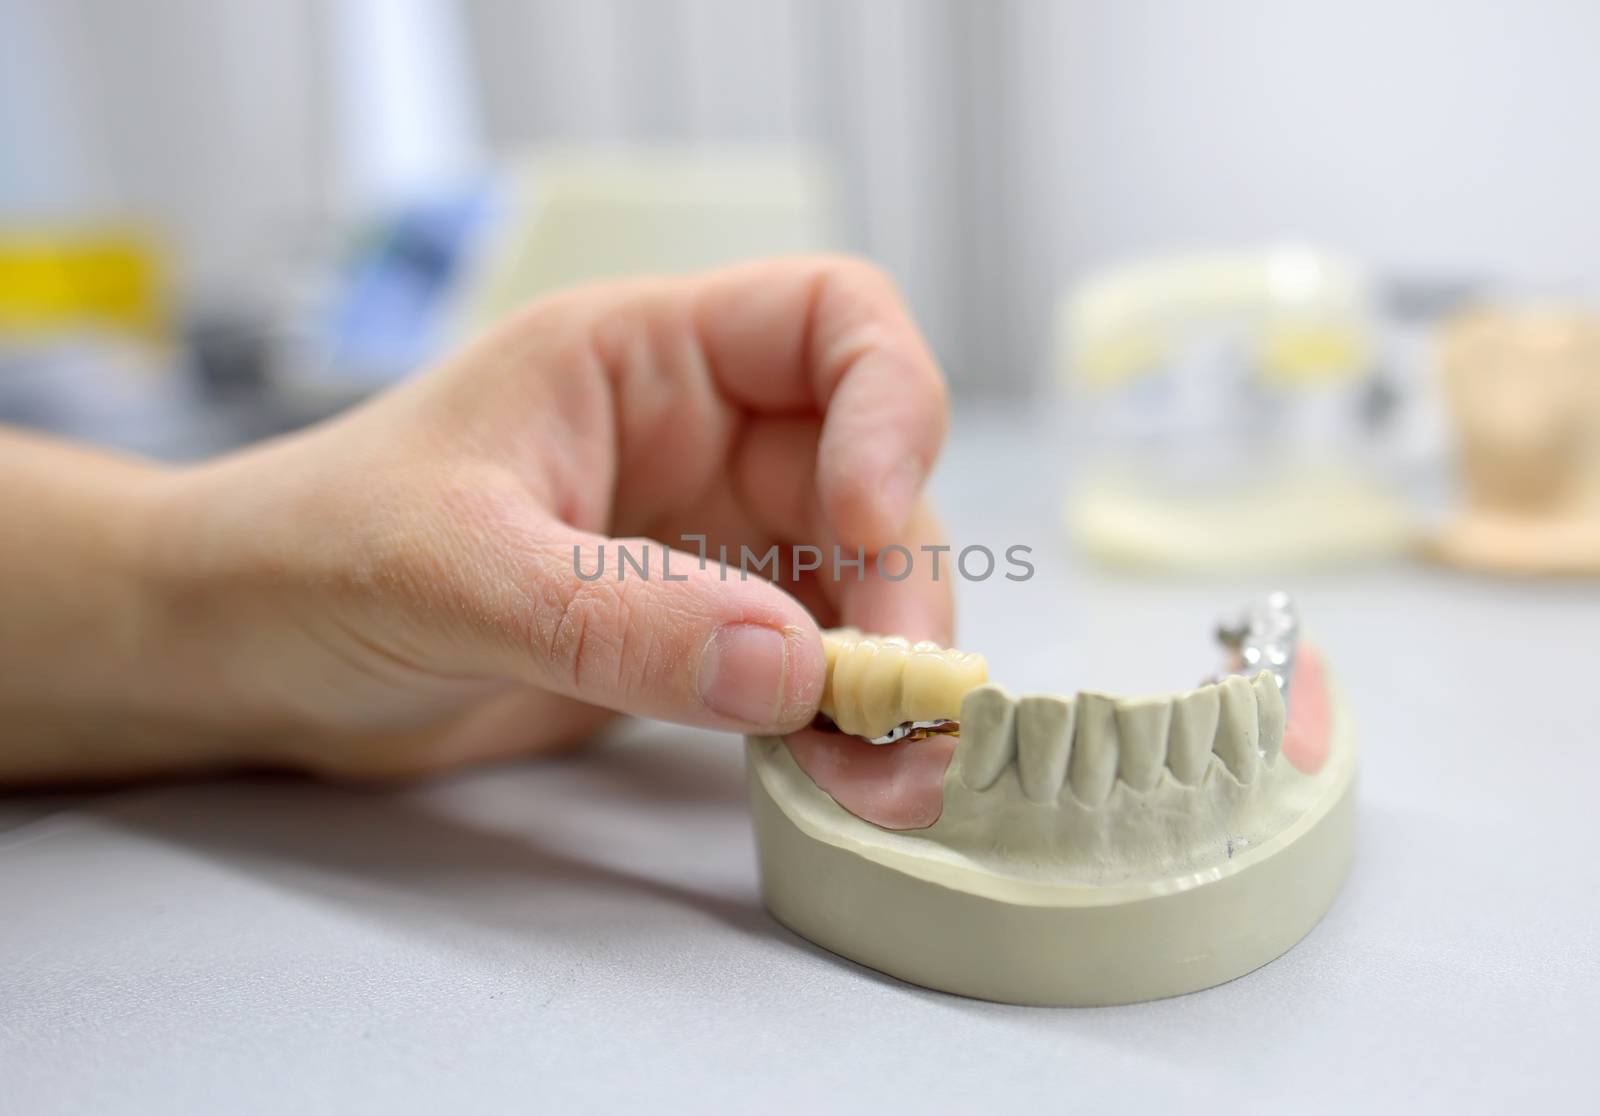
x,y
1080,851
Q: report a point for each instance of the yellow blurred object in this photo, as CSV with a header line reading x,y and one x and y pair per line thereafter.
x,y
1118,359
1523,384
578,216
54,282
1301,317
1312,354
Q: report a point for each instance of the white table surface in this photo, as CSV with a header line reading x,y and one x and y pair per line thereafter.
x,y
585,934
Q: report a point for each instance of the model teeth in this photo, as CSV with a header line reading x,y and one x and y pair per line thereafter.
x,y
885,688
1044,744
1271,715
1142,730
988,735
877,683
1090,743
1194,727
1092,769
1238,730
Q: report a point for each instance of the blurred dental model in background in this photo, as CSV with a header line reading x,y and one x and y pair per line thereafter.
x,y
1237,410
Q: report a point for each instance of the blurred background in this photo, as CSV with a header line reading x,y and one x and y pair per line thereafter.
x,y
1226,290
221,220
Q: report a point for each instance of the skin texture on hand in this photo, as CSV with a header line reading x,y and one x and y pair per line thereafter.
x,y
394,592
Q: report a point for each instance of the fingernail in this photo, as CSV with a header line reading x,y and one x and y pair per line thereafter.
x,y
744,673
900,490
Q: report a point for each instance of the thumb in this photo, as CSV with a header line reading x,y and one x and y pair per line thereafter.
x,y
636,626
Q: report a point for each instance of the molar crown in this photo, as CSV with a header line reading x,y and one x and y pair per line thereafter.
x,y
876,683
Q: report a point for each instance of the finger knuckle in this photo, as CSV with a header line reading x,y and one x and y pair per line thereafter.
x,y
589,638
860,275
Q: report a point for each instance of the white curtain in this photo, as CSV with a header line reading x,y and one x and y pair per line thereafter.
x,y
991,152
988,152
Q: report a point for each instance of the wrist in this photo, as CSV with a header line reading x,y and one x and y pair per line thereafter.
x,y
203,600
86,690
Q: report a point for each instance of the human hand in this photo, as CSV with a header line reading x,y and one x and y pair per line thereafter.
x,y
396,591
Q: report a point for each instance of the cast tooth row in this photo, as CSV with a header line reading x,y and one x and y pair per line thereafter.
x,y
1090,741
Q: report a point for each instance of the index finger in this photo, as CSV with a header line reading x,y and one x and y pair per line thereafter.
x,y
832,335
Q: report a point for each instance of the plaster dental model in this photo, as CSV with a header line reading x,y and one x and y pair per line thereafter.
x,y
1059,850
1524,388
1215,399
